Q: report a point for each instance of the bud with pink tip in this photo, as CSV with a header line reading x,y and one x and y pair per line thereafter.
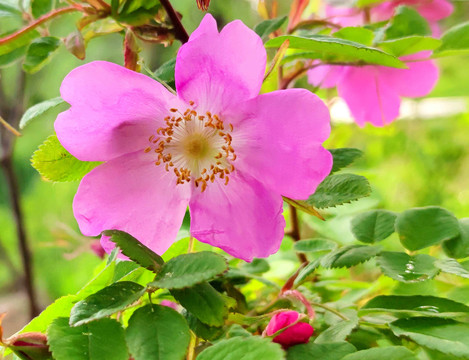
x,y
298,333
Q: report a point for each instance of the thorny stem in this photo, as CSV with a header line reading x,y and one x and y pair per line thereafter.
x,y
328,308
38,22
13,114
180,31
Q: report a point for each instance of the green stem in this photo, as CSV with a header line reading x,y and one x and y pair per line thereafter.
x,y
334,311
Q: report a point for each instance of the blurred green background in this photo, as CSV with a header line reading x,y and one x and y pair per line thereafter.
x,y
409,163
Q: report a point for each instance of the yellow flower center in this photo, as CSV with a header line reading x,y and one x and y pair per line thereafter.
x,y
196,147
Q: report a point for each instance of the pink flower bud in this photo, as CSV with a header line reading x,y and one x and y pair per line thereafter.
x,y
294,335
98,249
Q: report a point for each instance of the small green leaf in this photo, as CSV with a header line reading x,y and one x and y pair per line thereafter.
x,y
458,247
405,268
390,352
98,340
39,53
246,348
343,157
166,71
445,335
308,270
190,269
337,332
451,266
373,226
204,302
111,299
54,163
407,22
409,45
11,57
6,10
257,266
414,305
348,256
202,330
339,189
419,228
324,351
135,250
40,7
334,49
158,333
19,42
455,40
314,245
39,109
267,27
357,34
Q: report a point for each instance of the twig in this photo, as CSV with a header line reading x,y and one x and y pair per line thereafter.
x,y
295,232
179,30
9,127
38,22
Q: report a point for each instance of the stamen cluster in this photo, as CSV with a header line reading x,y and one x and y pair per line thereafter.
x,y
197,147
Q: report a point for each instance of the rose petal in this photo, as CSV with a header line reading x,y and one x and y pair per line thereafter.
x,y
243,218
435,10
418,80
208,25
280,145
326,76
132,194
369,98
219,70
114,111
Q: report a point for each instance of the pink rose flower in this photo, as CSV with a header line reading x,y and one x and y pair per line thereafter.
x,y
294,335
373,93
432,10
217,146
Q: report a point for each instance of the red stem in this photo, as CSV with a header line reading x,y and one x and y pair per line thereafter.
x,y
38,22
180,32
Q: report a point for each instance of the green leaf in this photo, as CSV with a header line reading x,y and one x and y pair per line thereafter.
x,y
39,109
257,266
98,340
6,10
40,7
334,49
314,245
135,250
246,348
409,45
111,299
324,351
166,71
451,266
11,57
357,34
405,268
458,247
190,269
202,330
19,42
407,22
138,12
59,308
158,333
40,52
445,335
390,352
308,270
343,157
414,305
337,332
204,302
419,228
455,40
339,189
54,163
373,226
348,256
267,27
